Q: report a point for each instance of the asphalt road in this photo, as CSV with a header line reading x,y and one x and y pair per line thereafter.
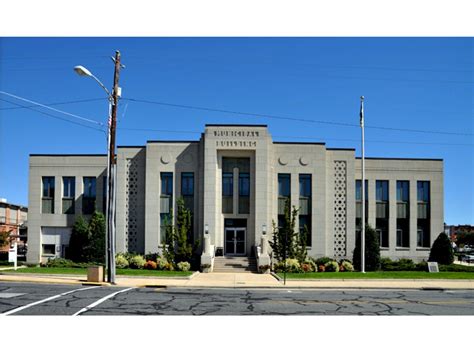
x,y
45,299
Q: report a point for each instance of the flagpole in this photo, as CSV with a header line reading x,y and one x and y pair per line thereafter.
x,y
362,186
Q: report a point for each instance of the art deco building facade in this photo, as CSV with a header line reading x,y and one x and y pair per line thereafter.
x,y
235,180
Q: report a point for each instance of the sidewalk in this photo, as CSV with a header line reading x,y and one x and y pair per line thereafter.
x,y
247,280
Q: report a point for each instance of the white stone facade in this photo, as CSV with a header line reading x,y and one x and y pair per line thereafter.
x,y
333,173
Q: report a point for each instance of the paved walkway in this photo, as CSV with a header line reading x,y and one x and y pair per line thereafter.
x,y
247,280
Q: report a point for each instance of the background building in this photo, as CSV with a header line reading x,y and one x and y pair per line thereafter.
x,y
13,219
235,180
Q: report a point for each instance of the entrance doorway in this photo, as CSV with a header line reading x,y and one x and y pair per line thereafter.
x,y
234,241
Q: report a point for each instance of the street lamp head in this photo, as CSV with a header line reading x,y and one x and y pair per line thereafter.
x,y
80,70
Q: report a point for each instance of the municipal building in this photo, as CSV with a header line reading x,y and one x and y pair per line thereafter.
x,y
235,179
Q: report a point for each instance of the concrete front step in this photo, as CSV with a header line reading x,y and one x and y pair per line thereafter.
x,y
235,264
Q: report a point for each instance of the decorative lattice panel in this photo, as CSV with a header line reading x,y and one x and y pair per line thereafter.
x,y
340,202
131,230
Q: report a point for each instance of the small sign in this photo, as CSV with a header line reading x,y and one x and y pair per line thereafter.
x,y
12,253
433,266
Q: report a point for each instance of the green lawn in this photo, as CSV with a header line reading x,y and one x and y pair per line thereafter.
x,y
381,275
83,271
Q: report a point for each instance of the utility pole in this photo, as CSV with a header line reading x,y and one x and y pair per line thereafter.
x,y
362,186
112,173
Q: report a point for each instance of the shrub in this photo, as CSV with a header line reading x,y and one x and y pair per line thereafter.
x,y
372,251
137,262
456,268
161,262
121,261
152,257
406,265
421,266
306,267
386,264
323,260
346,266
321,268
59,262
183,266
292,265
168,267
332,266
442,250
150,265
314,267
95,249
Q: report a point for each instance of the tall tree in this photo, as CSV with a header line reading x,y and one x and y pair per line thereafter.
x,y
96,240
442,250
79,240
286,243
372,251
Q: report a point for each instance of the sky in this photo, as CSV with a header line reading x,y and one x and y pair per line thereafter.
x,y
420,90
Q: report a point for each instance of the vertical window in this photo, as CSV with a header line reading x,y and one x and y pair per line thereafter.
x,y
305,207
227,192
423,217
244,193
284,192
403,214
187,184
187,190
381,212
48,195
89,195
358,197
166,201
69,194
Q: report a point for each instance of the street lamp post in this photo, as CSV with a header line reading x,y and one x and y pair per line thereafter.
x,y
111,162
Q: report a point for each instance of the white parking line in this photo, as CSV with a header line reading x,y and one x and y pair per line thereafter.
x,y
15,310
96,303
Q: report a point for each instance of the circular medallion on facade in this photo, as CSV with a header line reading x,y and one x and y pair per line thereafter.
x,y
187,158
165,158
304,161
283,160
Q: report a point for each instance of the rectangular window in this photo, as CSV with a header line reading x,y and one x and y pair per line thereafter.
x,y
305,206
403,233
423,191
227,192
187,190
284,183
48,194
187,184
403,191
359,190
423,221
49,249
89,195
358,197
284,191
244,193
381,190
166,198
69,194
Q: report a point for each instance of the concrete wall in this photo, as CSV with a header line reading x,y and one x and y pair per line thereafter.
x,y
58,166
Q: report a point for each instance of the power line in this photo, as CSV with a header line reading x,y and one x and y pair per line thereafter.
x,y
51,115
298,137
51,108
54,104
288,118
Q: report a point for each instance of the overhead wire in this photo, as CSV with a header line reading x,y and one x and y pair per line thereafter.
x,y
53,116
289,118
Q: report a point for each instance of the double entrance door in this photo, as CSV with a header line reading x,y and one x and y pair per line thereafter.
x,y
234,241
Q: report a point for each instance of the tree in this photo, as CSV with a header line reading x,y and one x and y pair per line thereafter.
x,y
78,241
96,238
442,250
372,251
465,238
176,244
5,238
286,243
